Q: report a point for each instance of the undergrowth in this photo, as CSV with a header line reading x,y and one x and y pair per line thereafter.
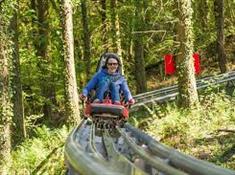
x,y
207,133
42,154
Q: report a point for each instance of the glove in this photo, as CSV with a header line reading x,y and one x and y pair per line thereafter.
x,y
83,97
131,101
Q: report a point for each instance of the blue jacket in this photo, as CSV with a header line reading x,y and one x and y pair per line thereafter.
x,y
104,77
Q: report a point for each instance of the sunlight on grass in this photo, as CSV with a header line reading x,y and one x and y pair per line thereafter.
x,y
203,133
30,156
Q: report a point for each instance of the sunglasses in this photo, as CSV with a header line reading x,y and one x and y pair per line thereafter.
x,y
110,64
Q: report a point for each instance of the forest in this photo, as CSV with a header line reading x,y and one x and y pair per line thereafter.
x,y
49,50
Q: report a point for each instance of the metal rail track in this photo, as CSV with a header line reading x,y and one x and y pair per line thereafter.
x,y
170,93
128,151
88,152
188,164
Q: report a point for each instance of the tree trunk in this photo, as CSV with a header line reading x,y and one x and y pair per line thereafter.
x,y
19,132
86,38
186,76
43,28
71,96
219,20
115,28
5,102
140,74
48,90
103,19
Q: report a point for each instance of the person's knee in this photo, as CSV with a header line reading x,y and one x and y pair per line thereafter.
x,y
112,85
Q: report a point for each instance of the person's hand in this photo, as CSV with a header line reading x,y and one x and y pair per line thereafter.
x,y
83,97
131,101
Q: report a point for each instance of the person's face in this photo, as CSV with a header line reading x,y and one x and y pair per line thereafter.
x,y
112,65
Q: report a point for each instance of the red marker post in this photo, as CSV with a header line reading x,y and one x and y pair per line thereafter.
x,y
169,64
197,67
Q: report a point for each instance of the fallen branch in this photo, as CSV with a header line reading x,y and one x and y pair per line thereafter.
x,y
226,130
43,162
149,31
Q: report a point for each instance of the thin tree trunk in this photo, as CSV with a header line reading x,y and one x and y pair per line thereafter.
x,y
103,19
5,102
48,90
43,27
219,20
115,28
86,38
140,74
129,43
71,97
186,75
18,108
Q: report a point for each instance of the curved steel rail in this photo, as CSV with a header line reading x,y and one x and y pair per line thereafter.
x,y
81,161
85,154
129,151
119,159
170,93
179,160
154,161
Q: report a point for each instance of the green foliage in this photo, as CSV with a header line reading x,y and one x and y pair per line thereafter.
x,y
177,124
158,39
29,155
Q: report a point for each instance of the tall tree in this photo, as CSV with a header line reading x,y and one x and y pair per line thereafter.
x,y
72,108
86,38
115,28
5,102
219,20
103,20
186,75
48,90
18,108
140,74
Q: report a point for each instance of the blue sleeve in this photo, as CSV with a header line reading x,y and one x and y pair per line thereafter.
x,y
91,84
126,91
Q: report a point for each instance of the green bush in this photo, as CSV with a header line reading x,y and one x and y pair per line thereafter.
x,y
42,154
